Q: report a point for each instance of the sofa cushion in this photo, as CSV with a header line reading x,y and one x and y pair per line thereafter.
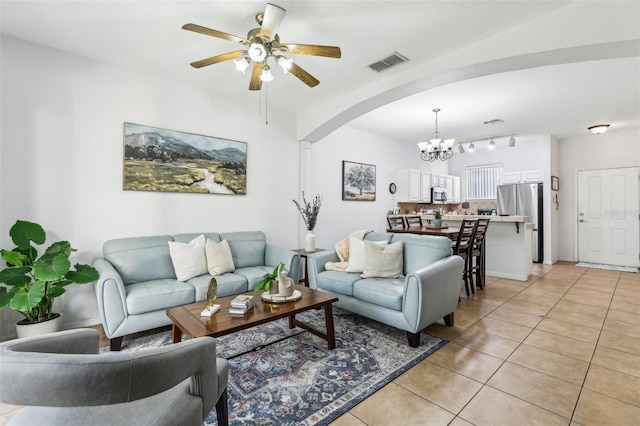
x,y
357,256
140,259
337,282
188,259
247,248
219,260
385,292
382,261
228,284
155,295
422,250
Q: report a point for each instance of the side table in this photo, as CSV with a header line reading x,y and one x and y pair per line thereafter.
x,y
303,254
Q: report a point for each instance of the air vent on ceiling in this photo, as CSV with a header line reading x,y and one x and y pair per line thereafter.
x,y
494,121
388,62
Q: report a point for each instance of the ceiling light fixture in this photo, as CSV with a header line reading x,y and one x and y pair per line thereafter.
x,y
492,144
242,64
436,148
472,147
599,128
512,142
460,148
285,63
257,51
266,75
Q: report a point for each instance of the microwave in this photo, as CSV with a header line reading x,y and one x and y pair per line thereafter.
x,y
438,196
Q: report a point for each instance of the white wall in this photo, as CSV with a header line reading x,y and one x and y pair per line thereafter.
x,y
339,218
609,150
62,156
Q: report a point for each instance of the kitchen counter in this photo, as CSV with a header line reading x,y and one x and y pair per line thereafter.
x,y
459,217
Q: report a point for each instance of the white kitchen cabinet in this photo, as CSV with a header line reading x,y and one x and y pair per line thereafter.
x,y
425,187
455,194
408,186
510,177
434,180
448,187
442,181
531,176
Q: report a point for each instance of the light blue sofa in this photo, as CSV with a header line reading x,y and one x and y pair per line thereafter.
x,y
429,291
138,284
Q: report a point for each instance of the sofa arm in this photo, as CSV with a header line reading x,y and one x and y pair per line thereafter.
x,y
432,292
111,296
316,262
290,258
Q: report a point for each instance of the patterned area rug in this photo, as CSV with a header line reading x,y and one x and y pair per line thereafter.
x,y
280,376
609,267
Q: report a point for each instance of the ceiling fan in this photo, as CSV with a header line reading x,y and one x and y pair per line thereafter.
x,y
261,44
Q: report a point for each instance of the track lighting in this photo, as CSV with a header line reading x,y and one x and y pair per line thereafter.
x,y
472,147
492,144
512,142
460,149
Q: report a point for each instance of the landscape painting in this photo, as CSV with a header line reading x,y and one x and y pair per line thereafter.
x,y
358,181
170,161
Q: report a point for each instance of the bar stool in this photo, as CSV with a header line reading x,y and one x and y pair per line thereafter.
x,y
478,253
413,221
463,246
396,222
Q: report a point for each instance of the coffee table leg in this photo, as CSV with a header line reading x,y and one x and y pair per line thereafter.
x,y
331,335
292,321
176,334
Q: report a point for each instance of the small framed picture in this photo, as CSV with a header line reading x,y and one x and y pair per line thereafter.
x,y
555,183
358,181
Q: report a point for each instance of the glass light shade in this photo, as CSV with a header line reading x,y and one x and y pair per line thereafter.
x,y
422,146
492,144
257,51
472,147
285,63
449,143
242,64
435,141
598,129
265,75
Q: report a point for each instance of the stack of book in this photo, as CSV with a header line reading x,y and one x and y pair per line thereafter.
x,y
241,304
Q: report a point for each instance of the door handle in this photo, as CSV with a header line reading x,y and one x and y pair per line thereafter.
x,y
582,220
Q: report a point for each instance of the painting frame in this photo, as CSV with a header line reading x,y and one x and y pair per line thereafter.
x,y
555,183
163,160
358,181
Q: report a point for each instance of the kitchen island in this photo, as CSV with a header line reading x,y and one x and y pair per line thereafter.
x,y
508,245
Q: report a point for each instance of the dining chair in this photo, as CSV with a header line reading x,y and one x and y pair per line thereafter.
x,y
395,222
462,248
413,221
478,253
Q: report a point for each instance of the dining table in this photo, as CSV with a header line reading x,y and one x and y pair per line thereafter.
x,y
450,232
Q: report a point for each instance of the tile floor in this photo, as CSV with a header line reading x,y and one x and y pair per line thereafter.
x,y
562,348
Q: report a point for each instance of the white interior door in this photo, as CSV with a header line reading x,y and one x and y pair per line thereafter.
x,y
608,225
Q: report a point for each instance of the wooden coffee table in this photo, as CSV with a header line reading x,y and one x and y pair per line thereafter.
x,y
187,320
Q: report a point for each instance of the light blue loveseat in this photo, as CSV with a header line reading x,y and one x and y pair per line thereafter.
x,y
429,290
138,283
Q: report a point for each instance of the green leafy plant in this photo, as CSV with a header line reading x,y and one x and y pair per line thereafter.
x,y
437,214
265,282
34,282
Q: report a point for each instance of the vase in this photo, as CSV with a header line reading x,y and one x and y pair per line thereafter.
x,y
310,241
29,329
437,223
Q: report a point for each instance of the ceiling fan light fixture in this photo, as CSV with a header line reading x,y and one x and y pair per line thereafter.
x,y
492,144
285,63
265,75
257,50
242,64
599,128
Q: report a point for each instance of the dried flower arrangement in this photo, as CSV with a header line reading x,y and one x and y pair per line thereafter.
x,y
309,211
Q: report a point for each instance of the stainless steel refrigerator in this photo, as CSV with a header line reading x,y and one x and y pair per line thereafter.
x,y
525,199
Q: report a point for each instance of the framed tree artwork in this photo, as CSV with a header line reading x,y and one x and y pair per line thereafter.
x,y
358,181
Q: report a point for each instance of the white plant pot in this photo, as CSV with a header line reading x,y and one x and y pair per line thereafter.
x,y
310,241
39,328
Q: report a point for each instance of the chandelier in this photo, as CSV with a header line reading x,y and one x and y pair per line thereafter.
x,y
436,148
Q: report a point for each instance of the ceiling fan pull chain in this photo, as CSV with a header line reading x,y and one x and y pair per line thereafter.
x,y
266,104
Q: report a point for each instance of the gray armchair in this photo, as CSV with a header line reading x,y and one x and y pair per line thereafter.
x,y
62,380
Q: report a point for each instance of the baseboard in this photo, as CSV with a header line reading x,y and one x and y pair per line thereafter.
x,y
507,276
81,324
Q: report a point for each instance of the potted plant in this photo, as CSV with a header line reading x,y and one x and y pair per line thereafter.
x,y
32,282
266,281
309,212
437,219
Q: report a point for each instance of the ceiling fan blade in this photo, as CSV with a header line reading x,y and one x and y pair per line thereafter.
x,y
312,49
273,16
214,33
304,76
219,58
256,83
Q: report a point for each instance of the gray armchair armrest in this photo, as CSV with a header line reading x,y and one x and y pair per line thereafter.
x,y
291,260
111,296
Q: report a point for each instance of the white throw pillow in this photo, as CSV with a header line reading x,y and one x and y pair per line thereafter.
x,y
383,261
356,253
188,259
219,260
